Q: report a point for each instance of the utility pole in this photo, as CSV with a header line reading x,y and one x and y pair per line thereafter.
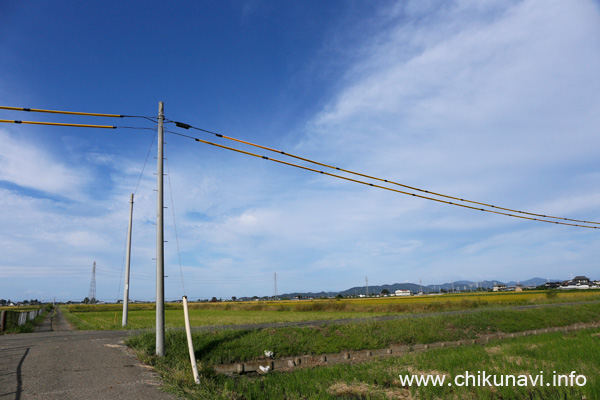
x,y
127,264
367,285
275,286
160,243
92,293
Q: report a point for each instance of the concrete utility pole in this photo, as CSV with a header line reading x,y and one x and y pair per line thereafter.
x,y
160,243
127,264
92,293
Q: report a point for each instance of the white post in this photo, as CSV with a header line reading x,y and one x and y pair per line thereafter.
x,y
188,332
127,264
160,243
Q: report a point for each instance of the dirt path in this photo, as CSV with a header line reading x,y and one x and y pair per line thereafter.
x,y
55,321
58,363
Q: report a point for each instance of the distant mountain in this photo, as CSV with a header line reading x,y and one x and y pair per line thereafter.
x,y
415,288
314,295
377,289
533,282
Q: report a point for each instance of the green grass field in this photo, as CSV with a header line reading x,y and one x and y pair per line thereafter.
x,y
380,379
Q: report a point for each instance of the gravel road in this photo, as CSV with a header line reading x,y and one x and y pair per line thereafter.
x,y
56,362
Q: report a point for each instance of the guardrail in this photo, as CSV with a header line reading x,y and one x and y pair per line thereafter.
x,y
10,318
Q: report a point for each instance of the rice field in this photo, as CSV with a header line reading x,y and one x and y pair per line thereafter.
x,y
143,319
142,316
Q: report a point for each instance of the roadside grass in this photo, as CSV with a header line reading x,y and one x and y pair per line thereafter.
x,y
141,316
553,353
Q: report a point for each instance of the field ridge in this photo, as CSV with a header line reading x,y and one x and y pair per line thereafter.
x,y
303,361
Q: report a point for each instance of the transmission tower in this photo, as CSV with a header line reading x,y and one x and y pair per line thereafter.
x,y
275,286
92,294
367,286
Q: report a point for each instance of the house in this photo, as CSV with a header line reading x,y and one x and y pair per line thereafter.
x,y
519,287
499,288
402,292
552,285
581,280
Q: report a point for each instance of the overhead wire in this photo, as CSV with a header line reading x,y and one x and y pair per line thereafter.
x,y
10,121
122,267
153,120
379,186
60,112
76,113
134,192
145,162
7,121
89,114
175,224
187,126
136,127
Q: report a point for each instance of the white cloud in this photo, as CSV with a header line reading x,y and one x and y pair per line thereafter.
x,y
492,101
516,89
26,165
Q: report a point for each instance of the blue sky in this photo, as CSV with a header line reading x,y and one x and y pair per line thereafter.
x,y
495,101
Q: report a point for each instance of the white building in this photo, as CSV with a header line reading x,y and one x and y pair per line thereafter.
x,y
402,292
499,288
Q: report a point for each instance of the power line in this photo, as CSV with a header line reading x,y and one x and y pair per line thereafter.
x,y
151,119
57,124
175,225
10,121
145,161
382,187
76,113
135,127
61,112
187,126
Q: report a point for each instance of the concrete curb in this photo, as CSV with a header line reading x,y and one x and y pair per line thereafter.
x,y
289,363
